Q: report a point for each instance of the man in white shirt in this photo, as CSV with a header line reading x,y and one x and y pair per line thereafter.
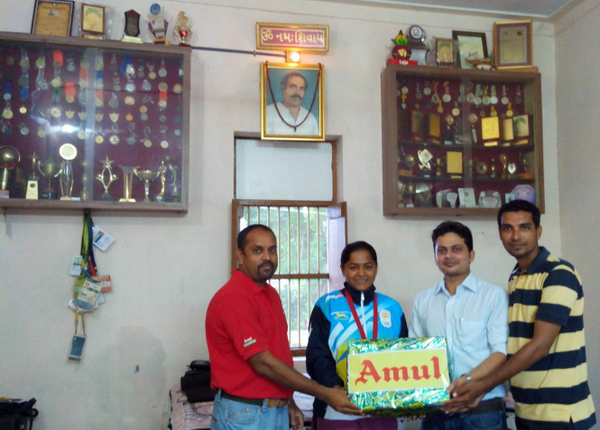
x,y
288,117
473,317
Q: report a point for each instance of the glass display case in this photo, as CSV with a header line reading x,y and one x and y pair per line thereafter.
x,y
460,141
93,124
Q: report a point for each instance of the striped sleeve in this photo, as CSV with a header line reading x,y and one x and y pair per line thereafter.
x,y
562,288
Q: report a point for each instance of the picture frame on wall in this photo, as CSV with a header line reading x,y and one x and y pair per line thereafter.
x,y
93,19
292,102
471,46
513,44
52,18
445,52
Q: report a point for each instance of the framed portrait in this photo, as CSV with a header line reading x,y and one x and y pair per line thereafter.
x,y
92,19
471,46
292,102
513,44
52,18
445,52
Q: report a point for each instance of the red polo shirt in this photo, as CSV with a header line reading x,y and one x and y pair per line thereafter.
x,y
244,319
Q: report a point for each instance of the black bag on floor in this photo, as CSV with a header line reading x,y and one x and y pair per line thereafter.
x,y
17,415
196,382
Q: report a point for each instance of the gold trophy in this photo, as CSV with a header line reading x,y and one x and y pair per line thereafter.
x,y
106,168
162,170
50,170
410,188
146,176
33,180
504,162
9,158
127,183
182,29
67,152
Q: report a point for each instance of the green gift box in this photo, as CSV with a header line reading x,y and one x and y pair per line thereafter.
x,y
400,377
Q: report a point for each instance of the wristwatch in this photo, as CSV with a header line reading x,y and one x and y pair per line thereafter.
x,y
468,376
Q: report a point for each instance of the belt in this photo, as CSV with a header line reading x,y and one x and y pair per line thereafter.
x,y
492,405
271,403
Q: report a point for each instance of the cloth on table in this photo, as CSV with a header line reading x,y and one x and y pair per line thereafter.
x,y
186,415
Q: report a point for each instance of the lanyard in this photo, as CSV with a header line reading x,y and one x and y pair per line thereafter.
x,y
357,320
87,251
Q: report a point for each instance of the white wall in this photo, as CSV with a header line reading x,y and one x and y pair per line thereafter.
x,y
579,160
166,268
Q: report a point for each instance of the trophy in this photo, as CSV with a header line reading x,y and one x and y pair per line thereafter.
x,y
132,27
504,162
127,183
424,158
67,152
33,180
162,170
50,170
157,24
493,167
146,176
182,29
410,188
401,191
9,158
106,168
439,166
175,196
410,162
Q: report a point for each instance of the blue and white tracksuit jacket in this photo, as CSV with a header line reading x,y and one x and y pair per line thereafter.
x,y
333,326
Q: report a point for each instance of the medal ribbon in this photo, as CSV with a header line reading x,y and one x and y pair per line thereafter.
x,y
57,56
70,92
162,95
87,252
357,320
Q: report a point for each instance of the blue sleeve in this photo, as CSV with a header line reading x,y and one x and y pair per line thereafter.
x,y
320,363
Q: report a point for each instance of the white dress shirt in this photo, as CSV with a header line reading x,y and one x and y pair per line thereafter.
x,y
474,322
275,125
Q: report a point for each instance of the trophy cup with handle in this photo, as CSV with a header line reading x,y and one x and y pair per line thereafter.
x,y
146,176
67,152
49,170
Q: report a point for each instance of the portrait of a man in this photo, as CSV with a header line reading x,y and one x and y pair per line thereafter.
x,y
292,103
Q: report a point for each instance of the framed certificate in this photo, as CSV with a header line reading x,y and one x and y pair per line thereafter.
x,y
513,44
52,18
92,19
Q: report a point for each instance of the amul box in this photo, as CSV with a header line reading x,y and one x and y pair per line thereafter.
x,y
401,377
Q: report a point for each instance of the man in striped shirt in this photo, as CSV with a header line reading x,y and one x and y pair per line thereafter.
x,y
546,347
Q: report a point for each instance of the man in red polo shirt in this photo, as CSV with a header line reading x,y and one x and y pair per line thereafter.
x,y
251,362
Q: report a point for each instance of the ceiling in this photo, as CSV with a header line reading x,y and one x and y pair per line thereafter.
x,y
545,9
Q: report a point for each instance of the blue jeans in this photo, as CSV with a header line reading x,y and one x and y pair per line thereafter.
x,y
488,421
232,415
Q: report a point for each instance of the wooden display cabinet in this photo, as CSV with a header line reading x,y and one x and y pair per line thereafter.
x,y
471,139
93,124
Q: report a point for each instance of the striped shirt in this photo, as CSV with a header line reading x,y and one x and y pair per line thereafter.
x,y
555,388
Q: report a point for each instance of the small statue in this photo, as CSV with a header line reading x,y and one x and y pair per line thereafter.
x,y
400,50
